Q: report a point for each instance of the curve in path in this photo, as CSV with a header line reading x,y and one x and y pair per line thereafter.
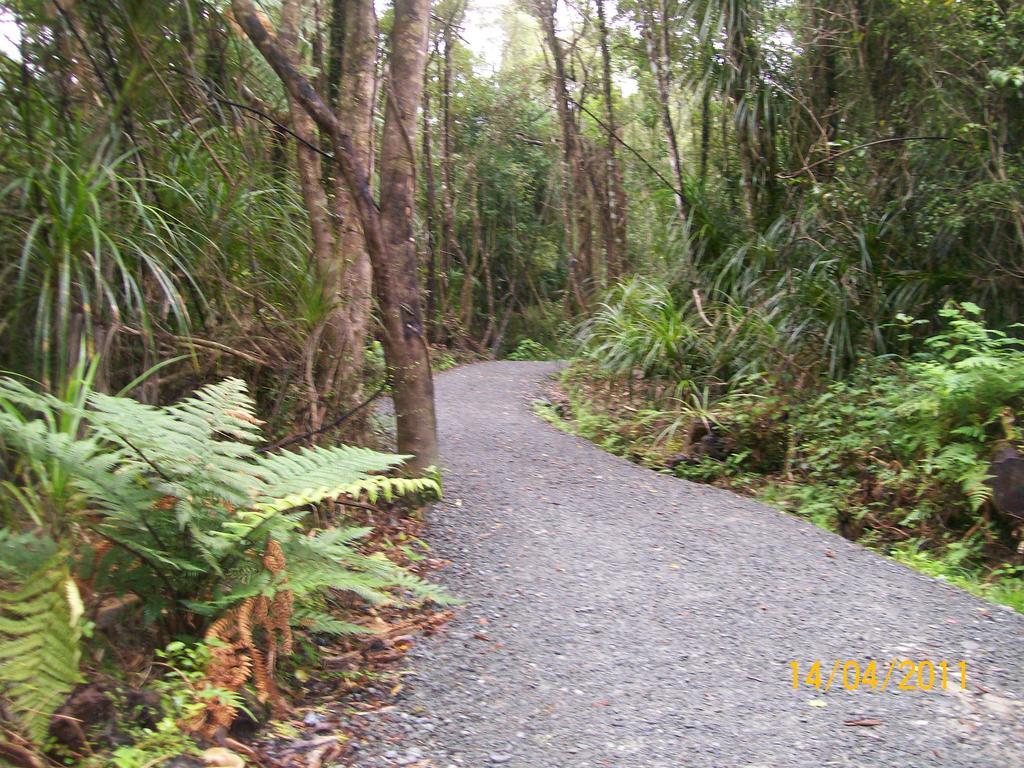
x,y
618,617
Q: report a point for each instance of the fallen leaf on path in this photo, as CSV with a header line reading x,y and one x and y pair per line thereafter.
x,y
218,757
321,755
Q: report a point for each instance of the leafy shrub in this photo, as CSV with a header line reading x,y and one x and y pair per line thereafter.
x,y
964,393
899,452
643,327
176,506
528,349
926,423
90,248
443,360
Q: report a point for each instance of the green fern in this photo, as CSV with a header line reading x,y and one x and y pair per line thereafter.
x,y
188,503
40,633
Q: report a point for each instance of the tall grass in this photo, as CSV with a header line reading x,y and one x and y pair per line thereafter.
x,y
125,257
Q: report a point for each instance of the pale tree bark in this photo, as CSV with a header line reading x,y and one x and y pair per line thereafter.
x,y
655,33
354,109
615,239
334,354
573,170
387,227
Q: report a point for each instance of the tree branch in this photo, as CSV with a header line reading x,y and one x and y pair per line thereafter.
x,y
615,136
266,42
330,425
876,142
279,125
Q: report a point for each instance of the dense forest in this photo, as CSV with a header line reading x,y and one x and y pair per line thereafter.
x,y
781,241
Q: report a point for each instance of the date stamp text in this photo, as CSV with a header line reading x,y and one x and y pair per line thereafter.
x,y
898,674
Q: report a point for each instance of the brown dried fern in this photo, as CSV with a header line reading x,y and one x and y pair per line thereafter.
x,y
235,655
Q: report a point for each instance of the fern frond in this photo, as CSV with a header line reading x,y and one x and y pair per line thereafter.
x,y
324,623
316,474
24,552
188,501
40,634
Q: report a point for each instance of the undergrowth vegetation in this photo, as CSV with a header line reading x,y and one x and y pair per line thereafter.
x,y
916,454
177,520
757,245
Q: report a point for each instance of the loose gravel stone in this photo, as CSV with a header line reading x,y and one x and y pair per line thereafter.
x,y
635,620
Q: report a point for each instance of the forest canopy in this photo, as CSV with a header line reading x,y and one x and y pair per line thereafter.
x,y
782,242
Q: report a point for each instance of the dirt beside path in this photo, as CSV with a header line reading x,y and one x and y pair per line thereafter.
x,y
617,617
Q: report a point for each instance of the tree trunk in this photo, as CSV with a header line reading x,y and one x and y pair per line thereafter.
x,y
354,111
405,342
387,229
822,55
615,242
331,337
655,33
430,195
572,171
705,133
754,136
448,242
483,257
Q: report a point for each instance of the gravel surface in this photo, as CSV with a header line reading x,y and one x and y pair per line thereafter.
x,y
618,617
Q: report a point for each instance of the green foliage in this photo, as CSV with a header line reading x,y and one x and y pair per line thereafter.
x,y
183,692
443,360
40,629
89,246
187,505
643,327
183,493
963,393
528,349
926,425
900,451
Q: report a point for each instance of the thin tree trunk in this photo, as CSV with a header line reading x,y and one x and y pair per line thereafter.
x,y
335,50
572,170
354,111
448,243
324,240
705,133
741,70
405,342
430,194
656,40
484,259
615,244
388,228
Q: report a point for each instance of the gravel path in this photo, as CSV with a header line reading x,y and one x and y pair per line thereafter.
x,y
618,617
